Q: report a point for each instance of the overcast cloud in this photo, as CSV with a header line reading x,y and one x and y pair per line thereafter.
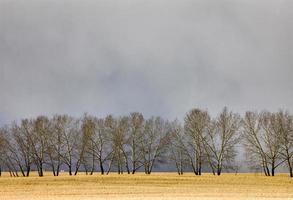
x,y
157,57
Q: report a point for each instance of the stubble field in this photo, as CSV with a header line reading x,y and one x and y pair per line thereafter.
x,y
141,186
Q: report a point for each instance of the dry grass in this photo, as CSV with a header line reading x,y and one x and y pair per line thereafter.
x,y
141,186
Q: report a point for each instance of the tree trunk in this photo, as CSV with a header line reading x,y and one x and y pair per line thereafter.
x,y
265,163
181,171
86,169
133,157
219,170
28,169
93,166
290,168
58,169
41,173
76,170
192,166
53,169
273,168
199,170
70,170
267,171
199,167
21,170
264,168
177,167
127,167
101,167
78,163
110,165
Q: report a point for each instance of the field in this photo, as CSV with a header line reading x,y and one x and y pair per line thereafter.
x,y
141,186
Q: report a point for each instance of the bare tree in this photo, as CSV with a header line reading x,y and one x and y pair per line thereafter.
x,y
264,135
285,129
5,153
178,151
154,142
221,140
110,125
89,158
136,124
83,138
118,129
75,137
272,140
20,147
38,129
99,145
68,128
196,125
85,151
253,141
3,148
55,143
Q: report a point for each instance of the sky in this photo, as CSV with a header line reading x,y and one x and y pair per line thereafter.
x,y
158,57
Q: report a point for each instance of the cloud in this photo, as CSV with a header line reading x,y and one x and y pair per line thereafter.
x,y
156,57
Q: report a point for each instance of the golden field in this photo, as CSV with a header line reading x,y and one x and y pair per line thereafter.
x,y
141,186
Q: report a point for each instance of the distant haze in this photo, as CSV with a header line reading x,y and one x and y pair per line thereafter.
x,y
158,57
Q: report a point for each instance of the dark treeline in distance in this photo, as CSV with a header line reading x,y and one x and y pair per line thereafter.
x,y
128,144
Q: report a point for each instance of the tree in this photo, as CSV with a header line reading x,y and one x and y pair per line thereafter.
x,y
55,143
196,124
89,129
3,148
285,129
136,125
37,130
118,129
253,140
264,134
272,140
178,151
99,145
154,142
20,147
68,128
83,139
221,140
5,153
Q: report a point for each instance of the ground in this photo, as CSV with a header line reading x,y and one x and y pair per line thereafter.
x,y
141,186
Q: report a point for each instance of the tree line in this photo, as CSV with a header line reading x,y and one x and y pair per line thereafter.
x,y
128,144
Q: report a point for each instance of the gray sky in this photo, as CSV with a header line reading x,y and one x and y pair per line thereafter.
x,y
159,57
